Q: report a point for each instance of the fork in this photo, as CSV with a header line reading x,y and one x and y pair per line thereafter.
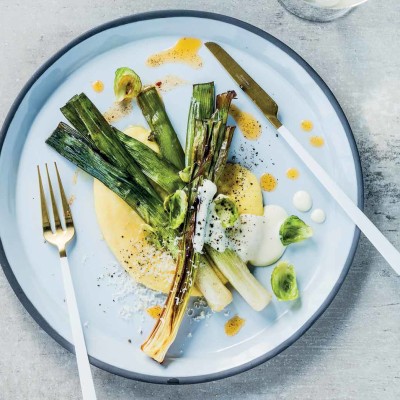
x,y
60,237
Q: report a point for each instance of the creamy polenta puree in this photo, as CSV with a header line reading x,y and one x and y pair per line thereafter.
x,y
124,231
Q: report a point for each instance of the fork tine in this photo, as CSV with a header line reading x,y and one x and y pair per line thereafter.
x,y
45,215
57,221
67,210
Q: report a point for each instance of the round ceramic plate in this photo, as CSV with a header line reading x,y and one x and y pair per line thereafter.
x,y
202,350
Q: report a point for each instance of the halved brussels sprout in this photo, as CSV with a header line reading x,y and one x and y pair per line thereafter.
x,y
127,84
294,230
176,204
226,210
283,282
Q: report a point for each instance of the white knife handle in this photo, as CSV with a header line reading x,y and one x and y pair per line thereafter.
x,y
85,375
387,250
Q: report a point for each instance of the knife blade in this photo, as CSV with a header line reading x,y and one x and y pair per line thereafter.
x,y
259,96
270,109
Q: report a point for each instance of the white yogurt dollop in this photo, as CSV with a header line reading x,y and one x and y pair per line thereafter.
x,y
318,216
256,238
206,193
302,201
269,246
215,232
245,236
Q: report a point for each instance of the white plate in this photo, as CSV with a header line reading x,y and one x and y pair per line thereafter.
x,y
32,267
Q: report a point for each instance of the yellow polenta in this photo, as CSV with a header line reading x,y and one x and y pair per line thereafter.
x,y
243,187
123,231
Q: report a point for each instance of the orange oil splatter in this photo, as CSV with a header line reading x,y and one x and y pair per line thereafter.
x,y
169,82
98,86
292,173
154,311
185,51
234,325
246,122
118,110
317,141
307,125
268,182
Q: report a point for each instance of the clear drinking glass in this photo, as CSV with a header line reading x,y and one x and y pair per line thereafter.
x,y
320,10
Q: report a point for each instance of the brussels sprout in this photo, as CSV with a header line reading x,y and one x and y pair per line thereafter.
x,y
226,210
127,84
283,282
294,230
176,204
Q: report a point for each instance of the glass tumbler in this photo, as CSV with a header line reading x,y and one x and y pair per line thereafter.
x,y
320,10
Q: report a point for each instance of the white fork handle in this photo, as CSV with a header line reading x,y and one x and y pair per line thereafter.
x,y
85,375
376,237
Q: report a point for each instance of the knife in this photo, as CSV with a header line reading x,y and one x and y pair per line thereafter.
x,y
270,109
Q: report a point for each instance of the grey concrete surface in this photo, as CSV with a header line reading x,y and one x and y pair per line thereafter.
x,y
353,351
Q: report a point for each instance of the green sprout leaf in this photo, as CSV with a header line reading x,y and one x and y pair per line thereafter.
x,y
226,210
127,84
185,174
176,205
283,282
294,230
